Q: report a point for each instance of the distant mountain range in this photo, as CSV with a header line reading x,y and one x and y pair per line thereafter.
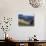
x,y
26,18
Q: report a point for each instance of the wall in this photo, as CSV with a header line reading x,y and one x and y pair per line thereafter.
x,y
10,8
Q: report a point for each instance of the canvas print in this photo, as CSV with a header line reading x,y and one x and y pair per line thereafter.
x,y
24,20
